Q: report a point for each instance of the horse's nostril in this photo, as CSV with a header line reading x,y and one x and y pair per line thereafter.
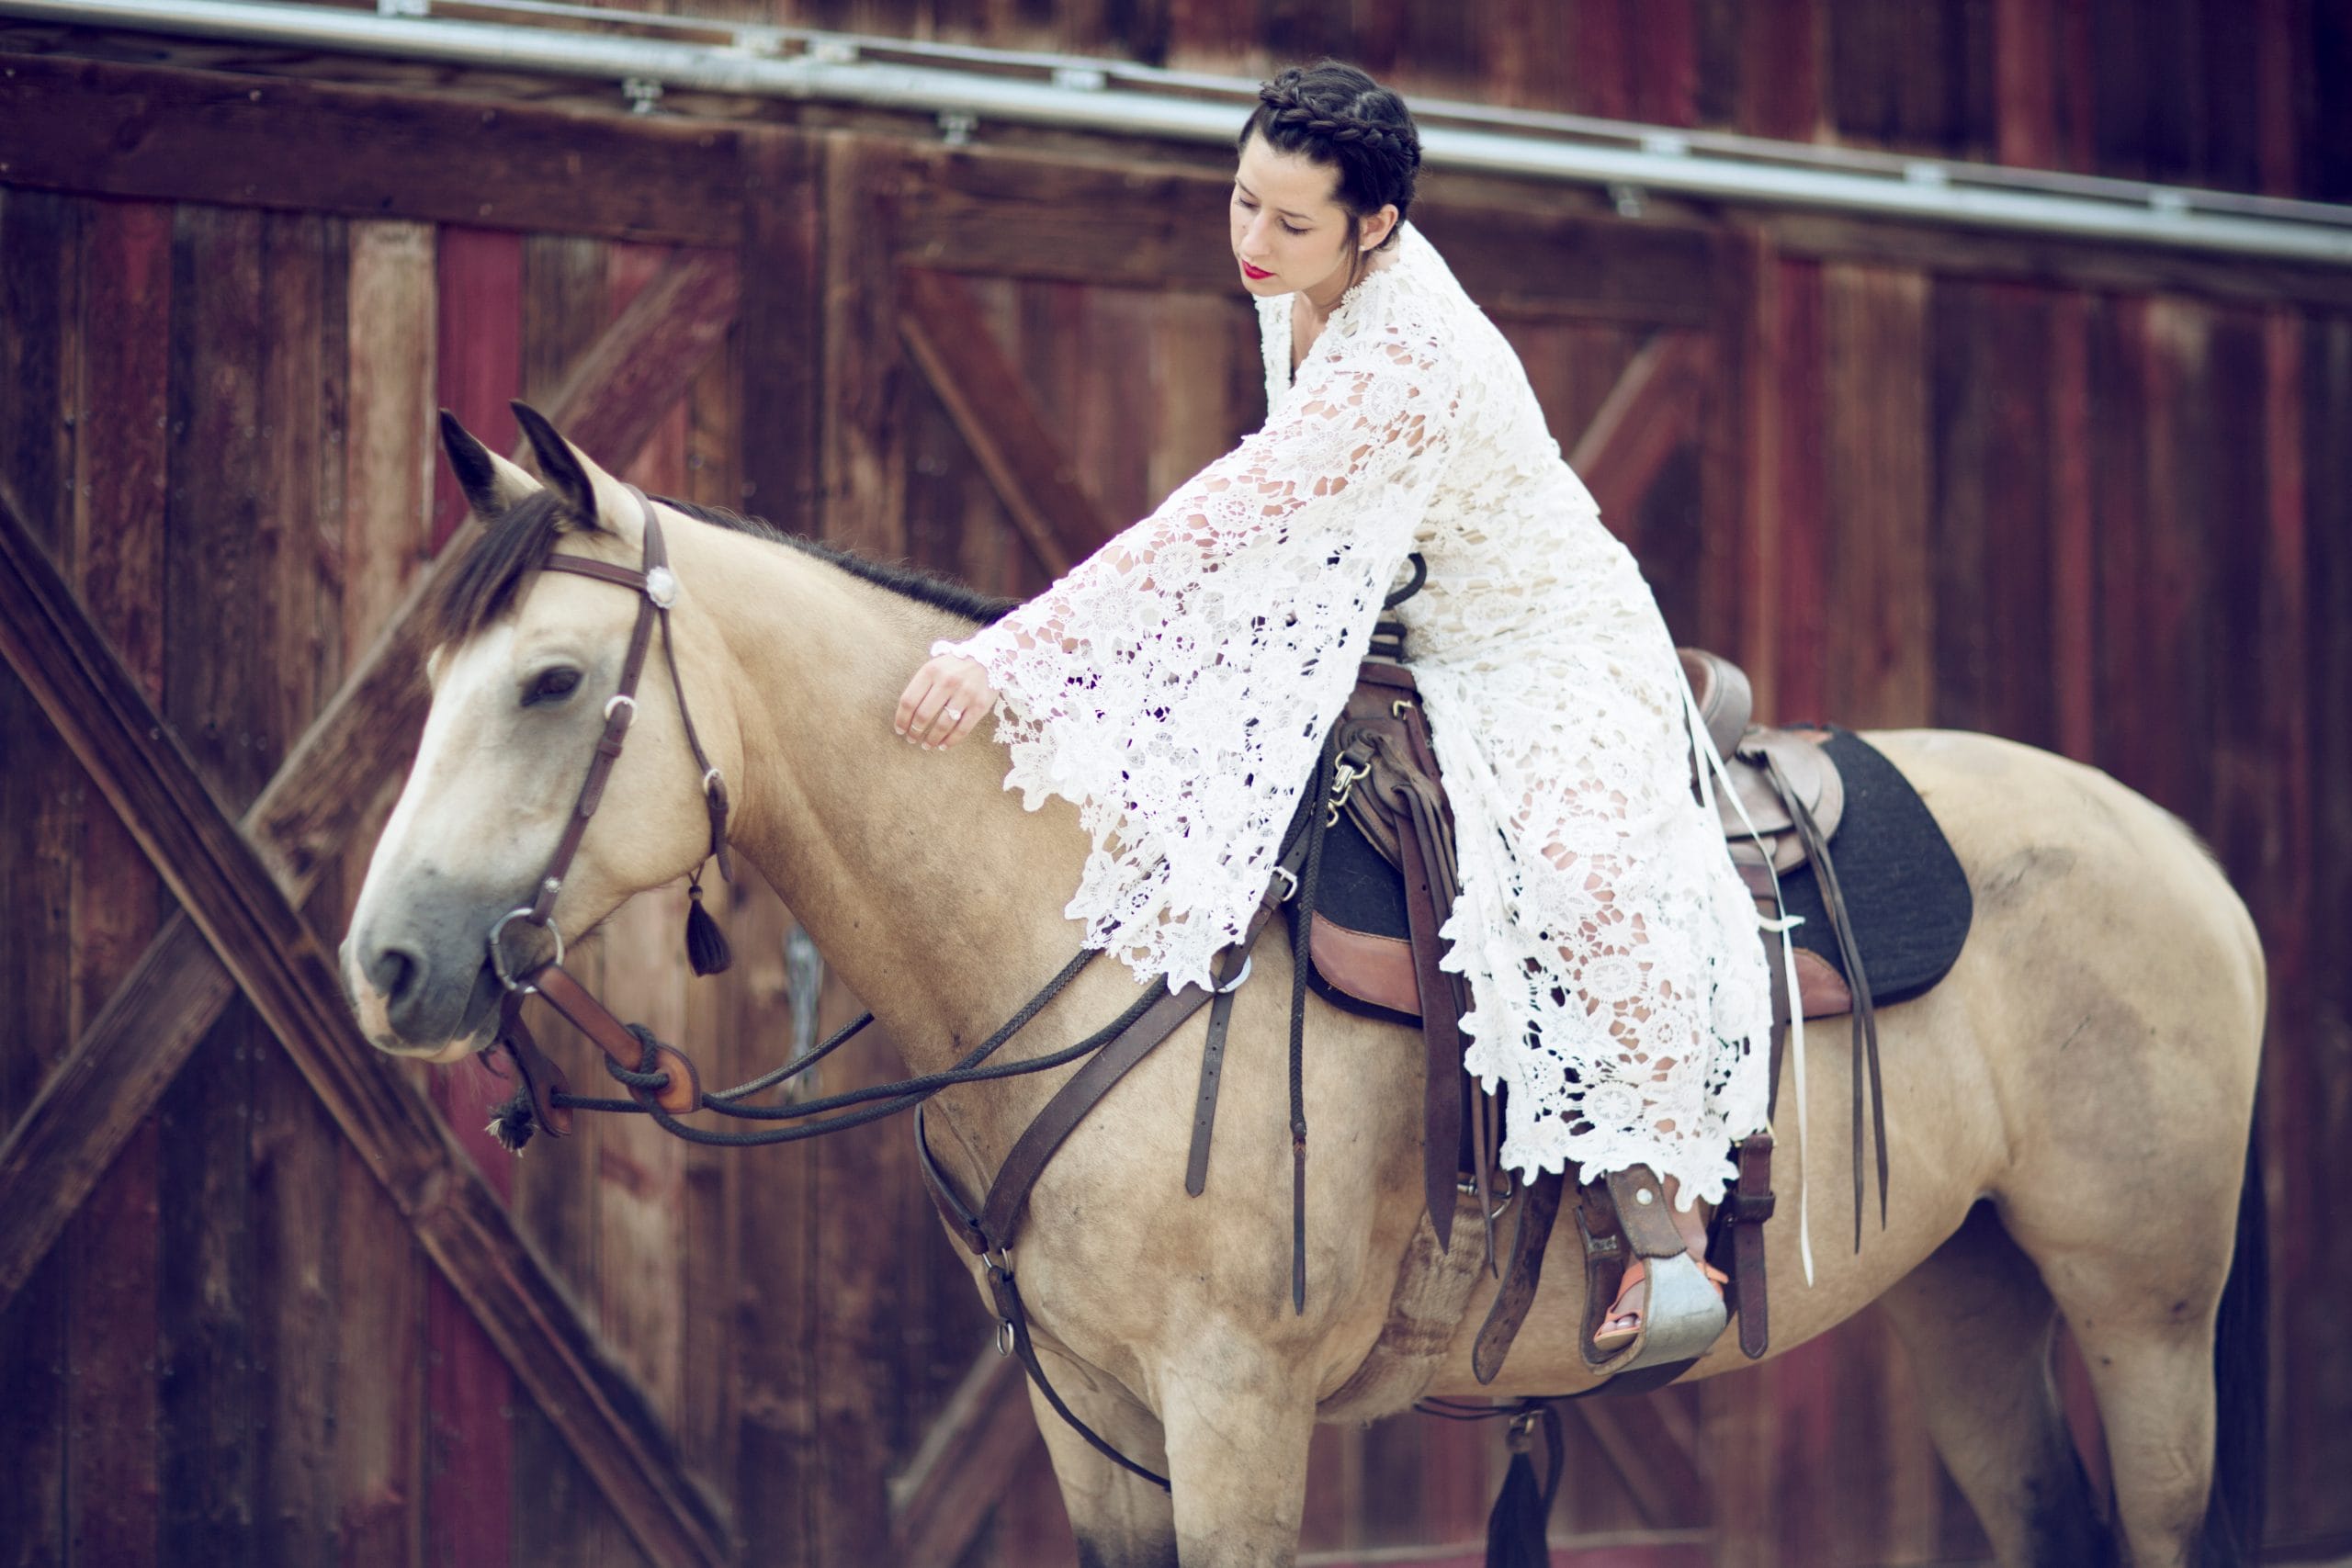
x,y
393,972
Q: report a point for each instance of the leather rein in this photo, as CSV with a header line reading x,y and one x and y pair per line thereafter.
x,y
662,1081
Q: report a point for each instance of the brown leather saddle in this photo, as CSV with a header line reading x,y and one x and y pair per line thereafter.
x,y
1384,757
1778,797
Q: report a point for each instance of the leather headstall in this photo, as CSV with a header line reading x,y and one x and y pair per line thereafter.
x,y
657,588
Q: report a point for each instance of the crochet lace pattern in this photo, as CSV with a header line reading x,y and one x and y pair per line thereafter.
x,y
1177,684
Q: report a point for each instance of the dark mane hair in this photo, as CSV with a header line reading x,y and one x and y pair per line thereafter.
x,y
1336,114
517,543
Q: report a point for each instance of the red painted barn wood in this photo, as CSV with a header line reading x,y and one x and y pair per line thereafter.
x,y
1912,478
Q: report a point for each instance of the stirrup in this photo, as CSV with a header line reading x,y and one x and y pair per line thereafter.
x,y
1682,1315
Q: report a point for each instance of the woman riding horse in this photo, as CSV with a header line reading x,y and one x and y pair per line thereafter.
x,y
1178,684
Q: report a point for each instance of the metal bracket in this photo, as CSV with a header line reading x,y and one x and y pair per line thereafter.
x,y
956,126
642,92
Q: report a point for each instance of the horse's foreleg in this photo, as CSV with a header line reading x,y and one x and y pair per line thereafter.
x,y
1238,1431
1121,1520
1977,1321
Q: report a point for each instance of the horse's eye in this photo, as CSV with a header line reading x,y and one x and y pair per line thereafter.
x,y
550,687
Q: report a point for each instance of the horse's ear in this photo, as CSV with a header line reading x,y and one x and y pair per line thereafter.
x,y
492,483
595,498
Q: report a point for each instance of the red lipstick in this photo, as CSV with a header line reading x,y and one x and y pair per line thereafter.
x,y
1253,273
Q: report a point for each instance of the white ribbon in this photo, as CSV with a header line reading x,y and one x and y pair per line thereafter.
x,y
1704,745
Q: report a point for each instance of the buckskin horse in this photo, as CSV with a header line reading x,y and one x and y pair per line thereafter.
x,y
2068,1110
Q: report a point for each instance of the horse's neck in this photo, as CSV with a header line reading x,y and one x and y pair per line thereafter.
x,y
932,894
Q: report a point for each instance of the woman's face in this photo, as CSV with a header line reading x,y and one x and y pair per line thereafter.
x,y
1289,230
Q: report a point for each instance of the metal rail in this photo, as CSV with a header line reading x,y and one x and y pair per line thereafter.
x,y
965,88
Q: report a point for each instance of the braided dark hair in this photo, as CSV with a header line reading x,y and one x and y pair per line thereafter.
x,y
1335,114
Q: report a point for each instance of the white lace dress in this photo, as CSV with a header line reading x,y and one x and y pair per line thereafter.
x,y
1178,684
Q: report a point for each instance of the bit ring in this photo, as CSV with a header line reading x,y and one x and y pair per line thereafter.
x,y
498,956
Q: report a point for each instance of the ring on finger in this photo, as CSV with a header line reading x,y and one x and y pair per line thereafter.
x,y
954,716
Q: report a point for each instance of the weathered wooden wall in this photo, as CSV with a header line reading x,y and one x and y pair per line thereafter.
x,y
2241,95
2079,498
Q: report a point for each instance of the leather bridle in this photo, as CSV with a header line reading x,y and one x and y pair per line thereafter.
x,y
657,589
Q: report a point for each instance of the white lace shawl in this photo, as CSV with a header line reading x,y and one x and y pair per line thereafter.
x,y
1177,683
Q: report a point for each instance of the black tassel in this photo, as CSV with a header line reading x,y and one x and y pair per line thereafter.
x,y
707,947
1517,1529
513,1123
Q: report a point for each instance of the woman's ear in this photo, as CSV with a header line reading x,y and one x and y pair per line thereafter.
x,y
1376,228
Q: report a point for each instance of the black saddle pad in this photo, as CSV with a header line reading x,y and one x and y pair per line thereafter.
x,y
1905,888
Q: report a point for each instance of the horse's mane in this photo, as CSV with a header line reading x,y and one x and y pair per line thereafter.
x,y
517,543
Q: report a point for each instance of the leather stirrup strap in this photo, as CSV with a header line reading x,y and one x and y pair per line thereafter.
x,y
1441,1040
1196,1166
1751,1201
1865,1016
1539,1206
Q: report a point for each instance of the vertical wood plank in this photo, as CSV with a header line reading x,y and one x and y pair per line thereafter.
x,y
854,1325
1664,84
1800,529
1989,531
712,1178
111,1480
2283,92
1753,353
41,809
1724,454
389,326
478,368
855,1317
775,1368
2025,83
1781,84
296,1250
2163,729
2072,570
389,458
218,683
781,331
2119,378
865,379
784,363
1874,352
2311,1115
470,1392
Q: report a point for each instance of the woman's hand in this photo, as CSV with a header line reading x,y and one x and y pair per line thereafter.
x,y
945,701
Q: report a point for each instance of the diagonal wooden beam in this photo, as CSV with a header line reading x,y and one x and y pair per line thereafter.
x,y
1653,1459
138,763
964,1465
1652,409
106,1086
985,397
623,387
